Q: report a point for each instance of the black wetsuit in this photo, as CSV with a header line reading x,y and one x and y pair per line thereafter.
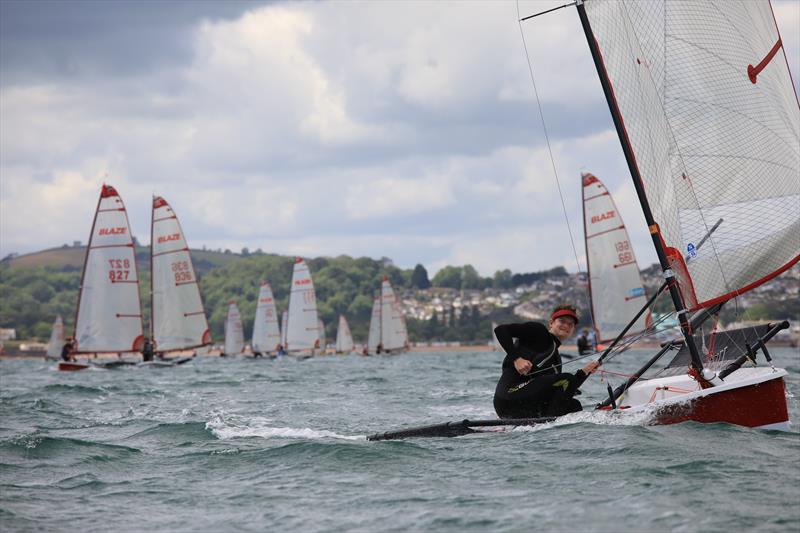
x,y
583,345
66,352
545,390
147,351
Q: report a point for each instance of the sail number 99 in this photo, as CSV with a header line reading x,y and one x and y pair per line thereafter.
x,y
182,271
119,269
624,253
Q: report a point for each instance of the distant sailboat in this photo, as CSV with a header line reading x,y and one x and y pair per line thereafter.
x,y
56,340
266,331
178,321
109,313
284,318
615,284
374,336
302,327
388,332
344,340
323,341
234,333
495,343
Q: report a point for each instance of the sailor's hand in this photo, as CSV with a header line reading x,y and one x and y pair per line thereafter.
x,y
591,368
523,366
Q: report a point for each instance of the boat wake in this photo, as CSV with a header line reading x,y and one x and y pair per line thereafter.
x,y
226,427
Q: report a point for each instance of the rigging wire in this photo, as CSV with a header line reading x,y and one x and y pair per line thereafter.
x,y
553,163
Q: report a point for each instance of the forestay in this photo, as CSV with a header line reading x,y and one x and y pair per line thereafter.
x,y
109,314
178,321
266,332
615,284
344,340
302,329
234,333
708,106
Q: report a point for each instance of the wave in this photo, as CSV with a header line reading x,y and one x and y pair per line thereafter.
x,y
36,446
226,428
175,433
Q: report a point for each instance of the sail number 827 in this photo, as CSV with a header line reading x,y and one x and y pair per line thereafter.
x,y
119,269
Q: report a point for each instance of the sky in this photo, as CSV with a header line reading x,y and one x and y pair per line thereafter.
x,y
406,130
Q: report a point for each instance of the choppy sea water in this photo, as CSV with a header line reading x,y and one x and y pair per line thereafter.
x,y
259,445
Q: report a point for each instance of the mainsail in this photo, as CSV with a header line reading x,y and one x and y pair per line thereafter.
x,y
344,340
109,314
56,339
302,328
393,326
707,107
615,284
234,333
266,332
178,320
284,318
374,336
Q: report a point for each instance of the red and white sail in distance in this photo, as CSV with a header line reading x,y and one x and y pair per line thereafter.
x,y
344,339
266,331
284,318
178,320
374,336
615,283
303,327
109,315
708,106
234,332
393,325
56,339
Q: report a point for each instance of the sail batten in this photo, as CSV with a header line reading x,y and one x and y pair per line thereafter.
x,y
710,139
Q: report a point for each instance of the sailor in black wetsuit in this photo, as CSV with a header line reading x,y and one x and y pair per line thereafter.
x,y
532,383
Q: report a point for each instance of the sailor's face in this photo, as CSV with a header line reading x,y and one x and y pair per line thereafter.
x,y
562,327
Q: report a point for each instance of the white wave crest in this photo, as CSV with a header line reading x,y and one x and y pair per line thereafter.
x,y
236,427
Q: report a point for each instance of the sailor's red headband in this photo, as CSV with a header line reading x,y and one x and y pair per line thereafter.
x,y
565,312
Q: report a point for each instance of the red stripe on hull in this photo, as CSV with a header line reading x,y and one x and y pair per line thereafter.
x,y
72,367
750,406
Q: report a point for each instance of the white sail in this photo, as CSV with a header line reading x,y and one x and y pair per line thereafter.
x,y
266,331
109,314
615,283
709,109
495,343
284,318
393,328
323,341
178,320
302,329
374,337
344,339
234,333
56,339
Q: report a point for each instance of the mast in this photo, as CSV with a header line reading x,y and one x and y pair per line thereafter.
x,y
152,277
630,158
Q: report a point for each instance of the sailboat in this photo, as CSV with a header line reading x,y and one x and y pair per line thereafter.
x,y
323,341
708,118
387,328
108,317
56,340
344,340
302,326
710,129
266,331
615,284
178,319
234,332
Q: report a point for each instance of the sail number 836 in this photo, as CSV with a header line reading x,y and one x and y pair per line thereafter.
x,y
182,271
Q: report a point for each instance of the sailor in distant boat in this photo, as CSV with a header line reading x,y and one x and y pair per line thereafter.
x,y
532,383
68,349
147,350
585,344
